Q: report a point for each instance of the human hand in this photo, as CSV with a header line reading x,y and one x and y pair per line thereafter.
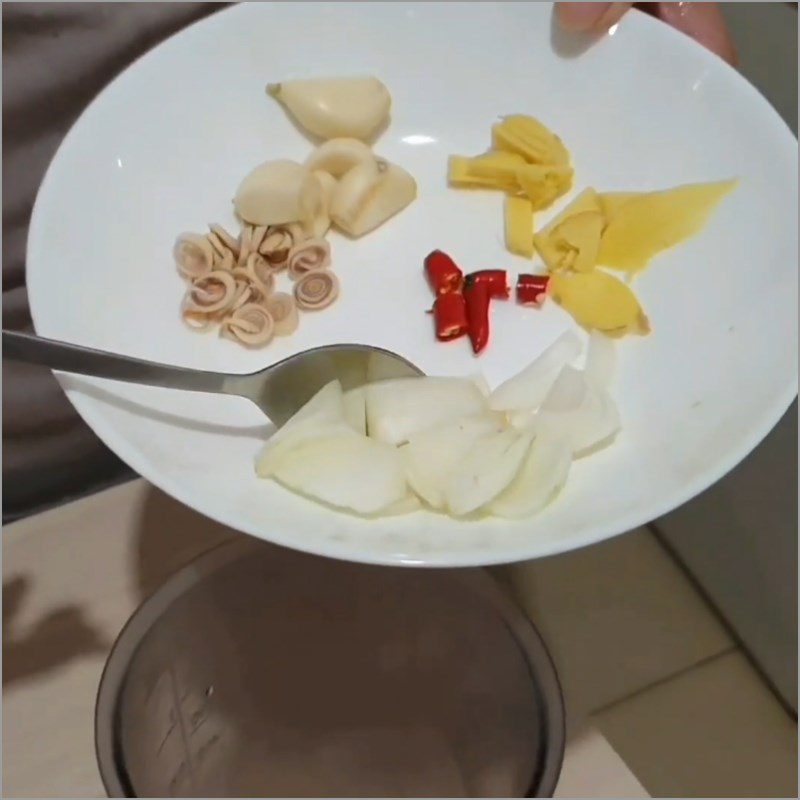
x,y
702,21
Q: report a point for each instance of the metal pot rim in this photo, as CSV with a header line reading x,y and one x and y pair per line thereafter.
x,y
543,673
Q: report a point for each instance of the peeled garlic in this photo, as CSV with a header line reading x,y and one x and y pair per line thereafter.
x,y
335,107
277,192
353,191
360,206
339,156
319,225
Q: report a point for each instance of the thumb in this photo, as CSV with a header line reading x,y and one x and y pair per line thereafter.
x,y
585,17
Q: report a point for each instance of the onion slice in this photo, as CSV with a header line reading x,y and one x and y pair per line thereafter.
x,y
526,390
488,468
432,456
324,411
601,359
399,408
542,475
346,471
580,413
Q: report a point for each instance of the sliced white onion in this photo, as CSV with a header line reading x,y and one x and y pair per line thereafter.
x,y
399,408
355,409
323,413
432,456
350,472
577,411
526,390
489,467
601,359
542,475
406,505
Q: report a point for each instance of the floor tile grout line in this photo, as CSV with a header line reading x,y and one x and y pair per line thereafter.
x,y
715,610
667,678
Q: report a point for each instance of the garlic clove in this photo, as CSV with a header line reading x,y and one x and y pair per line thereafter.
x,y
339,156
353,191
278,192
320,224
335,107
394,190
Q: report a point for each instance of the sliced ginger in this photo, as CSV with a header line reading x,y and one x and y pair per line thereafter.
x,y
543,184
599,301
529,163
571,239
644,225
535,142
461,175
612,202
519,226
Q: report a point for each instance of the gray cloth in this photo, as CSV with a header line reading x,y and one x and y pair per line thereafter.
x,y
56,58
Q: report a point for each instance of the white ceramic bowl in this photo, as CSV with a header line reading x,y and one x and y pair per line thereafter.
x,y
162,149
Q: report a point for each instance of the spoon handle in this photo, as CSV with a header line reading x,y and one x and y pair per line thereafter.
x,y
85,361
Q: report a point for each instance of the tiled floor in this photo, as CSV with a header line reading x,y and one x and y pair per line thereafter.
x,y
640,653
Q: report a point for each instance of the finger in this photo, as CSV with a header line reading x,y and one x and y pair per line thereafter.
x,y
704,23
582,17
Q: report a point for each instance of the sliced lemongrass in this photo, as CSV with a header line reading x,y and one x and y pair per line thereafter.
x,y
194,319
283,309
222,235
213,292
316,290
251,324
275,247
194,255
226,262
308,256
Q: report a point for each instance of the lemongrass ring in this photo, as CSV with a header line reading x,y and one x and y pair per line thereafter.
x,y
192,318
275,248
244,245
257,237
213,292
225,238
194,255
260,271
251,324
307,256
227,262
283,309
316,290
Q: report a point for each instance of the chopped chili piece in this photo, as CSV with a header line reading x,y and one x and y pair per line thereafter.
x,y
476,295
496,281
443,273
532,289
450,316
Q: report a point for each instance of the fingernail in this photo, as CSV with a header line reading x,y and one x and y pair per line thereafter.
x,y
704,23
581,16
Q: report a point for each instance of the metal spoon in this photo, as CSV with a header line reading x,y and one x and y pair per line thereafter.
x,y
278,390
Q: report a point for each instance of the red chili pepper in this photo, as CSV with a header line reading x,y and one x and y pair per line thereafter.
x,y
496,281
532,289
476,295
443,273
450,316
